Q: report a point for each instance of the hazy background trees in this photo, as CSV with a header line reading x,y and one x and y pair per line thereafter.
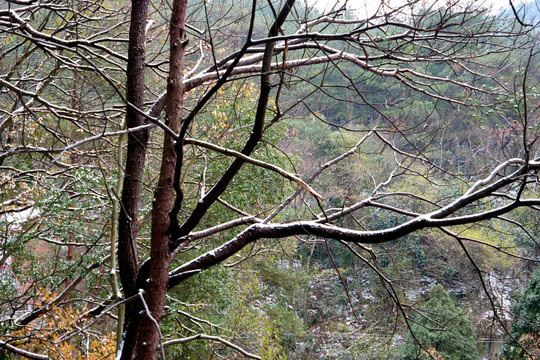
x,y
219,178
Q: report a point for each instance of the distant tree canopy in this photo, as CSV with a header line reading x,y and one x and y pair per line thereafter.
x,y
191,179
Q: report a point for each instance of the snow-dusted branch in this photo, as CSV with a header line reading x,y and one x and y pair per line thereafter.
x,y
22,352
212,338
254,161
439,218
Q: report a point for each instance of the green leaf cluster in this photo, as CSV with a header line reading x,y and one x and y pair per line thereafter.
x,y
526,325
442,328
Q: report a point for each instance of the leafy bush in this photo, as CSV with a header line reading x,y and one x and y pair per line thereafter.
x,y
443,329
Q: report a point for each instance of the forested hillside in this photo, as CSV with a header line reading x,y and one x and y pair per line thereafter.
x,y
267,180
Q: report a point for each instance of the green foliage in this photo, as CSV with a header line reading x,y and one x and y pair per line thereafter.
x,y
289,326
526,325
265,305
5,328
443,329
219,303
216,286
4,355
253,189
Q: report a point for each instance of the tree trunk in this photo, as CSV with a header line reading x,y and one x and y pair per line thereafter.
x,y
135,160
142,334
148,339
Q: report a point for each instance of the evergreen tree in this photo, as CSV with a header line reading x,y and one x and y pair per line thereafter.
x,y
443,329
526,325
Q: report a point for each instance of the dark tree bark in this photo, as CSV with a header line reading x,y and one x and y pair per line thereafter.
x,y
134,169
155,286
142,333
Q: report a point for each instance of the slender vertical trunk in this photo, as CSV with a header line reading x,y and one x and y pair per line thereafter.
x,y
156,289
135,160
113,237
